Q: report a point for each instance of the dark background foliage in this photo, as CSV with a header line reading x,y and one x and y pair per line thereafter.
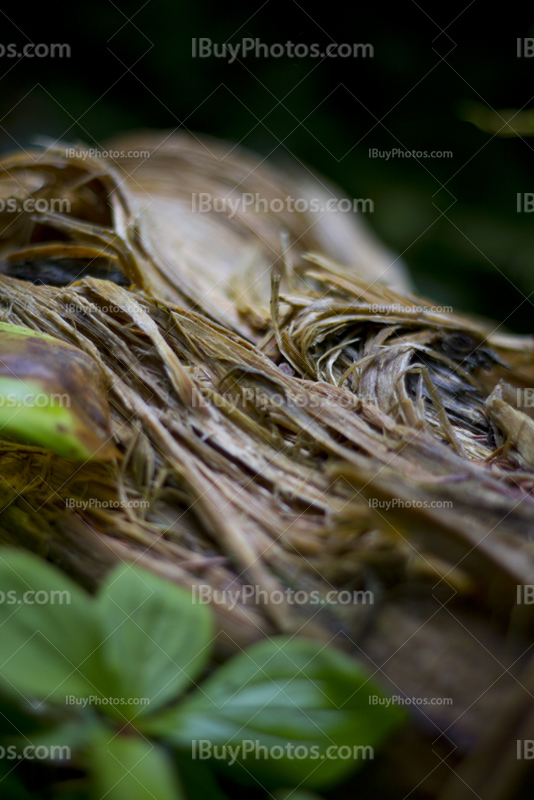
x,y
454,220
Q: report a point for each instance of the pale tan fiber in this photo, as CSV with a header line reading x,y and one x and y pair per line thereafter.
x,y
258,416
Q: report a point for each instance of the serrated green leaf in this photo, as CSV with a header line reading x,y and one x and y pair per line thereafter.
x,y
156,639
131,768
283,693
49,635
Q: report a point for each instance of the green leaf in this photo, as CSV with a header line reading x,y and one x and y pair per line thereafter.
x,y
131,768
11,785
75,735
52,395
282,694
156,639
197,779
49,635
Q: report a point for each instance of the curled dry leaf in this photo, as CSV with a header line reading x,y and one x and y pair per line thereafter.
x,y
516,424
52,395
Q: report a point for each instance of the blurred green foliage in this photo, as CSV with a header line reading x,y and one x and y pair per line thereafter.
x,y
92,693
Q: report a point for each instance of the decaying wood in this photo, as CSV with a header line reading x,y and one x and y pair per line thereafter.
x,y
291,420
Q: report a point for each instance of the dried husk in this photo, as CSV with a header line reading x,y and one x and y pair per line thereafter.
x,y
259,424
